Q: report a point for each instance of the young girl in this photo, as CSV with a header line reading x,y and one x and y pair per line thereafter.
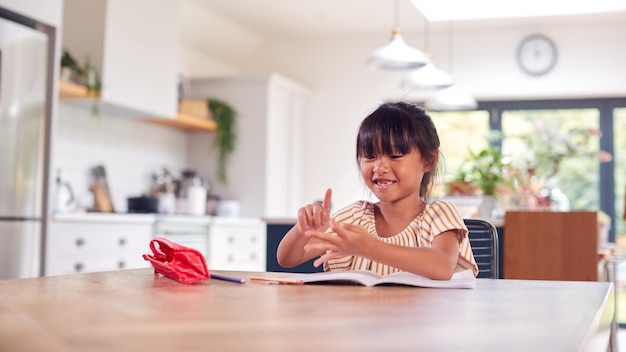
x,y
397,150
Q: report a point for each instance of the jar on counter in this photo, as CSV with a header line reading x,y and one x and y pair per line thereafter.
x,y
193,194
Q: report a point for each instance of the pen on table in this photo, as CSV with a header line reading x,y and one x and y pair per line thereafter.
x,y
227,278
277,280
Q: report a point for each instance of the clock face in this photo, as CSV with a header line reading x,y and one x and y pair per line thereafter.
x,y
536,55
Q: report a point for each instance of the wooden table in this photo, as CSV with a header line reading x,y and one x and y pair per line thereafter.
x,y
133,310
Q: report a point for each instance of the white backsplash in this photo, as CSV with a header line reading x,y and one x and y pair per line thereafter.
x,y
131,151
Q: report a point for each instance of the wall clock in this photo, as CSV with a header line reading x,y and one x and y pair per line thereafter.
x,y
536,54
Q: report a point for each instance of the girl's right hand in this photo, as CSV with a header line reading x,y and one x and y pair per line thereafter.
x,y
315,216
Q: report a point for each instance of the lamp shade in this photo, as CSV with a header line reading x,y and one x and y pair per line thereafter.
x,y
427,77
397,55
451,98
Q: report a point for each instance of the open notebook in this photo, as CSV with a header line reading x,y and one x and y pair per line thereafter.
x,y
461,279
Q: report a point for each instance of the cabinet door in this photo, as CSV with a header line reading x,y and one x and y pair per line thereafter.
x,y
266,167
285,155
551,245
237,244
188,231
133,45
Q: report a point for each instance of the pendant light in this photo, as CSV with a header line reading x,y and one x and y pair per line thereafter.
x,y
452,97
397,55
428,76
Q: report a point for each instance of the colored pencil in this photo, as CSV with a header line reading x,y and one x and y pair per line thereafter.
x,y
228,278
277,280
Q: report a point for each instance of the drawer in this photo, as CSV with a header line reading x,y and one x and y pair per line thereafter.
x,y
90,264
70,239
237,246
80,265
88,247
199,242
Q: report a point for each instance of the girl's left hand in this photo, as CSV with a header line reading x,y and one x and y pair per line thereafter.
x,y
347,239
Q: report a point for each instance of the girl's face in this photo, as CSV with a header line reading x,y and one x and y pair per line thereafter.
x,y
394,177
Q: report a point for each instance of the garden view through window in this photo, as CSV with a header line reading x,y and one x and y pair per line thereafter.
x,y
558,148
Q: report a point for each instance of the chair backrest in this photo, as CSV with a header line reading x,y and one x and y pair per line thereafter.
x,y
483,238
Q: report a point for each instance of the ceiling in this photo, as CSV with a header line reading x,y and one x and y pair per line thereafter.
x,y
351,17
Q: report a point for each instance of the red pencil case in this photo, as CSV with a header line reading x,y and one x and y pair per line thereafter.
x,y
178,262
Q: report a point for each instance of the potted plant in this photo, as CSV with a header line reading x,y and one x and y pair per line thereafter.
x,y
485,170
225,136
70,69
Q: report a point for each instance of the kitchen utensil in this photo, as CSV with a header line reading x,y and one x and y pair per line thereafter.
x,y
100,189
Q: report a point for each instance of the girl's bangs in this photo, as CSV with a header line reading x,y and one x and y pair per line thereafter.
x,y
383,141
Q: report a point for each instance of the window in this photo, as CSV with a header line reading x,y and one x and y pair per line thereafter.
x,y
619,159
458,131
587,183
561,148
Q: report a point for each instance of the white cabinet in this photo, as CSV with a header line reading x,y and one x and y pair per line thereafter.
x,y
102,242
226,243
266,167
97,242
190,231
133,44
237,244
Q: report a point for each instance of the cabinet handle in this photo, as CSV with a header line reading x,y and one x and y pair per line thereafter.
x,y
252,256
121,264
231,239
78,267
80,242
122,241
230,258
253,239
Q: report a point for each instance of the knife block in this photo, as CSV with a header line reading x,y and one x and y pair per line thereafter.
x,y
102,197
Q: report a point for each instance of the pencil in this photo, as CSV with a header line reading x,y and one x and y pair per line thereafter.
x,y
228,278
277,280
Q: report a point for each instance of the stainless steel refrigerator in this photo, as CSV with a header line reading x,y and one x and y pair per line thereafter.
x,y
26,79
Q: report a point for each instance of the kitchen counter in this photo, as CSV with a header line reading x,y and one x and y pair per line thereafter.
x,y
105,217
129,217
285,220
148,218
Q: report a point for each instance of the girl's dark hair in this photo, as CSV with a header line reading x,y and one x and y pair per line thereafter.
x,y
400,128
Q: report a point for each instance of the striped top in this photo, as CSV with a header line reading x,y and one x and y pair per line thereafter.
x,y
437,217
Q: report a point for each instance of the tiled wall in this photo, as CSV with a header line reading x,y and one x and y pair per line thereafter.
x,y
131,150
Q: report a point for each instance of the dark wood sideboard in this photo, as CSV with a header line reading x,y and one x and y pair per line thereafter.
x,y
550,245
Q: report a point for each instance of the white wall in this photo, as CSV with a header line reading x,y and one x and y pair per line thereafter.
x,y
591,57
130,150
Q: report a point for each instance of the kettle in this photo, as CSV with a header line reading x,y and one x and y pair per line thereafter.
x,y
64,196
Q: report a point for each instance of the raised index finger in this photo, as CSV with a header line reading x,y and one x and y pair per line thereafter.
x,y
327,201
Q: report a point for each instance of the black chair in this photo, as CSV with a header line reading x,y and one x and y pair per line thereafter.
x,y
483,238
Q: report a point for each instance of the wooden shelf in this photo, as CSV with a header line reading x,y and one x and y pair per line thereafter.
x,y
71,91
187,122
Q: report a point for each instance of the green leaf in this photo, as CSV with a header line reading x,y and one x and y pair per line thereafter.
x,y
225,136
